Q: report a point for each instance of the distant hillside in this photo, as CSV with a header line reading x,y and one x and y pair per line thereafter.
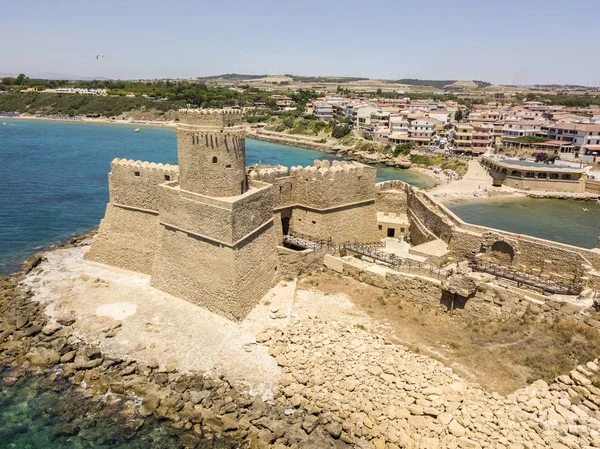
x,y
440,84
326,79
231,76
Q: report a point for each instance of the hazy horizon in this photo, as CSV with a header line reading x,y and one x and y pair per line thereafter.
x,y
521,43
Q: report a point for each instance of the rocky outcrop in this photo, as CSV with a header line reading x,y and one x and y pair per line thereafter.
x,y
366,391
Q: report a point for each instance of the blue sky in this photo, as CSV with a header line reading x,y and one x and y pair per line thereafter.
x,y
510,42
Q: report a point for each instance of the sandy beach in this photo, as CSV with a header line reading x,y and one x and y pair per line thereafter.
x,y
101,120
475,184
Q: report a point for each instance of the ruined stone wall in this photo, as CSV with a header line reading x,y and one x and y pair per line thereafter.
x,y
488,302
294,263
430,219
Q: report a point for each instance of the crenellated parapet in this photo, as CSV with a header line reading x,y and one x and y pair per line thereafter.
x,y
268,174
135,183
327,185
210,118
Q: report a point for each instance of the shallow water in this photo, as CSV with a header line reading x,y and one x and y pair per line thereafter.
x,y
559,220
37,413
54,176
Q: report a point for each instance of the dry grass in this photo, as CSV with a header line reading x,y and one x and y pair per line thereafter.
x,y
500,355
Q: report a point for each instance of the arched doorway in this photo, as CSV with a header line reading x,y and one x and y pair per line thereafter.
x,y
285,225
502,252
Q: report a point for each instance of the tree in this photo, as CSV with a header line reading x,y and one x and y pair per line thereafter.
x,y
20,79
404,148
379,91
340,131
459,115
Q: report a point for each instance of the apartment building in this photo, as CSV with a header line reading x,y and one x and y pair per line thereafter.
x,y
519,128
422,127
322,110
361,116
463,136
483,136
585,137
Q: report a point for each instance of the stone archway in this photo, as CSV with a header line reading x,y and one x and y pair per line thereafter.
x,y
502,252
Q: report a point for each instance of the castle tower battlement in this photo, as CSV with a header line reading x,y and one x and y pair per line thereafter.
x,y
212,152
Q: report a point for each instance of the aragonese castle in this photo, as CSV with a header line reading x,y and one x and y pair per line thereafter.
x,y
208,232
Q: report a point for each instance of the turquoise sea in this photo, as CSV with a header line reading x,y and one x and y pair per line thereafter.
x,y
54,176
559,220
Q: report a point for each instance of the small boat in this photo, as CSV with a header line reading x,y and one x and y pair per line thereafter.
x,y
137,130
585,209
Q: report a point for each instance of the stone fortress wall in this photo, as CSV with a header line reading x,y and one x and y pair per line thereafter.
x,y
430,220
327,200
128,236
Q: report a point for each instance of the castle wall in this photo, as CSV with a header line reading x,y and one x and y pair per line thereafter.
x,y
136,183
197,270
489,301
322,186
343,224
127,238
325,201
128,234
226,280
391,197
430,219
256,272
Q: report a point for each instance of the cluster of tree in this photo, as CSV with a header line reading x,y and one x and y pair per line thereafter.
x,y
562,99
196,94
404,148
341,130
56,104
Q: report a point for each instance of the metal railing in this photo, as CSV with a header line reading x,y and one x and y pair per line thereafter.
x,y
370,250
527,280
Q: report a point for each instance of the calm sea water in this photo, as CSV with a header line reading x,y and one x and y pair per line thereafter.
x,y
54,176
559,220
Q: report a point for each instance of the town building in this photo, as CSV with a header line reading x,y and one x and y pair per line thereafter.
x,y
535,175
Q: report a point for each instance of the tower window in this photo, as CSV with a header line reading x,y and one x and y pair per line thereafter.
x,y
167,177
228,166
214,159
136,173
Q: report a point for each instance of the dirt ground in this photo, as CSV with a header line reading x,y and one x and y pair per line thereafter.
x,y
499,355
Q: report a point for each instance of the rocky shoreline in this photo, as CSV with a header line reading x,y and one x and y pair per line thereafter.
x,y
576,196
202,407
340,386
348,152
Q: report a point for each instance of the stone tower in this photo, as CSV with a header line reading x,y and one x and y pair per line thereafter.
x,y
212,153
217,242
